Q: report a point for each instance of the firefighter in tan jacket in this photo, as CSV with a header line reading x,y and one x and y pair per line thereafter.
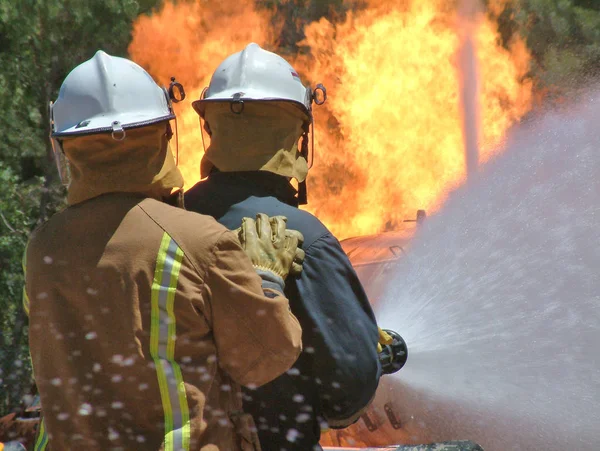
x,y
145,319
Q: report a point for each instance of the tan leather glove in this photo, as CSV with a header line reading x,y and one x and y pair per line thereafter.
x,y
270,246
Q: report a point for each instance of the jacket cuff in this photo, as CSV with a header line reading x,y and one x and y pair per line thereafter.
x,y
271,281
345,422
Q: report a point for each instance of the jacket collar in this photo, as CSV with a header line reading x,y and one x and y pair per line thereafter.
x,y
258,183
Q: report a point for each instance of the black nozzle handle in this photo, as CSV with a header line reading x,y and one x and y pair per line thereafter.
x,y
393,356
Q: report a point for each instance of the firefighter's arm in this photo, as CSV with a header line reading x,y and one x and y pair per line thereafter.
x,y
345,359
257,336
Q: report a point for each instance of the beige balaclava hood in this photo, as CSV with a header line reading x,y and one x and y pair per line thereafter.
x,y
264,136
141,163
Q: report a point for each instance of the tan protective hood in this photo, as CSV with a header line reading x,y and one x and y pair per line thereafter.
x,y
141,163
264,137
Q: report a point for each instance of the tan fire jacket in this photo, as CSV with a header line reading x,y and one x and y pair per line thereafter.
x,y
144,321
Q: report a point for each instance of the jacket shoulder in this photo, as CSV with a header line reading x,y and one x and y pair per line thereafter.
x,y
195,234
297,219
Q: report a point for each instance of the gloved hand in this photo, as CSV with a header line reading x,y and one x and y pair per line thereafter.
x,y
270,246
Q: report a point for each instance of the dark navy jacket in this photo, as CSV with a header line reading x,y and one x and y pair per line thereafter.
x,y
338,371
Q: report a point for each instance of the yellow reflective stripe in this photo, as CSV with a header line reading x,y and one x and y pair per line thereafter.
x,y
25,301
24,259
25,297
163,334
42,440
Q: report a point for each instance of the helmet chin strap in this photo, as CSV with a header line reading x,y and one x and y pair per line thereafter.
x,y
318,96
304,151
175,94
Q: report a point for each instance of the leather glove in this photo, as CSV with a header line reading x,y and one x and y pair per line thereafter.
x,y
270,246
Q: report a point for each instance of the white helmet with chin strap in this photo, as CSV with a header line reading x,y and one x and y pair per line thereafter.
x,y
107,94
257,75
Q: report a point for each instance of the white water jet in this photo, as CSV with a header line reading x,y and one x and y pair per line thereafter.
x,y
499,298
468,65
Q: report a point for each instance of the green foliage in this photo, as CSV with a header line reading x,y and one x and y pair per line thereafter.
x,y
564,38
18,212
293,15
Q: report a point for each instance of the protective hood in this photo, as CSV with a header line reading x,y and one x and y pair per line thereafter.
x,y
263,137
140,163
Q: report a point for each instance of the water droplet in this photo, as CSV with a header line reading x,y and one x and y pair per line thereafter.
x,y
292,435
117,358
298,398
85,409
302,417
112,434
128,361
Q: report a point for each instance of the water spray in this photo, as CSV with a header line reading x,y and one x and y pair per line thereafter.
x,y
498,297
469,83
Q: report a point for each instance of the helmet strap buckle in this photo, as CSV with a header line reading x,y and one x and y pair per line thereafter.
x,y
237,104
118,132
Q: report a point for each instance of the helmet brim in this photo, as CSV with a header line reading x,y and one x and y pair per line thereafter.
x,y
249,96
104,123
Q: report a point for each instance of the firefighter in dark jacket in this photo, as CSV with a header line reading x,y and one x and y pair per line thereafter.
x,y
256,111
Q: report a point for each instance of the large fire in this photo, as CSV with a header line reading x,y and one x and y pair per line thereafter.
x,y
390,139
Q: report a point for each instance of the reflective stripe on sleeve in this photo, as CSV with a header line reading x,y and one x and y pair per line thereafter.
x,y
42,438
163,331
25,297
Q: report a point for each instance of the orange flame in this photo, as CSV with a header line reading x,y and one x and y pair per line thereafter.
x,y
189,40
390,139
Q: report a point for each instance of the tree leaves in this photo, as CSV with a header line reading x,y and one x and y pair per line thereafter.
x,y
564,37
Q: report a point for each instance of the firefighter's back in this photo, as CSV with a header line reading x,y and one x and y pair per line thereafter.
x,y
109,287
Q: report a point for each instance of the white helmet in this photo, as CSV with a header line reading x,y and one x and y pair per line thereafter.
x,y
107,94
255,74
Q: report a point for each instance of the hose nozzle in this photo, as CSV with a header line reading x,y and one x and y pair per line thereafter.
x,y
393,353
